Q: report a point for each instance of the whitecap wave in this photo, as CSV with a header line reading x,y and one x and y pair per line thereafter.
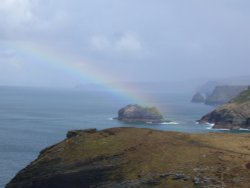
x,y
222,129
170,123
111,118
211,128
205,123
242,129
210,124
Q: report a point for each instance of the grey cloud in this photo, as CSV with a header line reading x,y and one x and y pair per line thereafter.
x,y
166,39
6,53
125,43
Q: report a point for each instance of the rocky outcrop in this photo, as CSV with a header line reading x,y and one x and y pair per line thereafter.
x,y
198,98
232,115
132,157
137,113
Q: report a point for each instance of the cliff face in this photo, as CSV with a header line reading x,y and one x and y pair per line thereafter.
x,y
137,113
131,157
223,94
232,115
219,95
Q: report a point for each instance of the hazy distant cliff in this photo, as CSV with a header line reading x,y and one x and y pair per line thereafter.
x,y
220,94
223,94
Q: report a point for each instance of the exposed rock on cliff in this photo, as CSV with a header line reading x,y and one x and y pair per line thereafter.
x,y
232,115
137,113
130,157
198,98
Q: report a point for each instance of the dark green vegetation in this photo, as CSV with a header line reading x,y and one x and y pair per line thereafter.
x,y
137,113
131,157
232,115
243,97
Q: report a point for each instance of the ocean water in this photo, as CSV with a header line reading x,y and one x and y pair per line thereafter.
x,y
32,119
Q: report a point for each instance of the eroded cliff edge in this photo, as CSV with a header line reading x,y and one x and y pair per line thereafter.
x,y
132,157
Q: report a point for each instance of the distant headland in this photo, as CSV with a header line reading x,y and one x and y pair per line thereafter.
x,y
221,94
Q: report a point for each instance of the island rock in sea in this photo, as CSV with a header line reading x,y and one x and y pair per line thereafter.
x,y
137,113
233,115
133,157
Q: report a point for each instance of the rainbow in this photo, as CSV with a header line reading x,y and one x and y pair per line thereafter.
x,y
82,70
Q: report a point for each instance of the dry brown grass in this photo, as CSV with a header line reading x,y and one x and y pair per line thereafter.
x,y
145,155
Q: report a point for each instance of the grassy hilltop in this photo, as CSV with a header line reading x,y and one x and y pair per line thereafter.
x,y
131,157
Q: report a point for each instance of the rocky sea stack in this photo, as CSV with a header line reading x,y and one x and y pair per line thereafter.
x,y
198,98
233,115
137,113
132,157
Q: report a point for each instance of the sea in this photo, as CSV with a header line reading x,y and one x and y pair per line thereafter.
x,y
32,119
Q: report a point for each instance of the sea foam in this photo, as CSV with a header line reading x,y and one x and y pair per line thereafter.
x,y
242,129
170,123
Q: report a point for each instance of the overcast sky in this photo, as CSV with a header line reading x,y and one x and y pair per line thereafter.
x,y
132,40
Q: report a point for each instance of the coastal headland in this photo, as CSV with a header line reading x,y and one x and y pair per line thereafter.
x,y
132,157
